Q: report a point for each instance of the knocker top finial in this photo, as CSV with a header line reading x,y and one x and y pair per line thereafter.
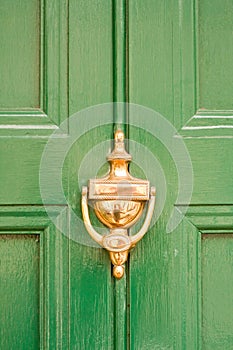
x,y
119,151
119,136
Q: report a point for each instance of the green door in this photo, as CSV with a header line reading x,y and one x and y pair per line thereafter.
x,y
62,63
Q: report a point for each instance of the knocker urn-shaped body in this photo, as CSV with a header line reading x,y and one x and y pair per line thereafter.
x,y
118,200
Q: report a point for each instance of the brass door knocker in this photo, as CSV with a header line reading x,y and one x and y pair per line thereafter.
x,y
118,200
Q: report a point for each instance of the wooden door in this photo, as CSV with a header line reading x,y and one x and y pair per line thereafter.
x,y
172,61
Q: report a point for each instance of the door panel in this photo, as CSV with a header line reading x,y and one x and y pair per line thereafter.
x,y
217,303
19,291
214,35
24,21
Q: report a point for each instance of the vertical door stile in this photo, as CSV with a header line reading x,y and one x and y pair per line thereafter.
x,y
120,120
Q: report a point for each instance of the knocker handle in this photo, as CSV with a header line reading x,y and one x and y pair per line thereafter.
x,y
86,219
138,236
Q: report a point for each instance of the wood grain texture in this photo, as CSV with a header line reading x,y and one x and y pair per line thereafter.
x,y
90,55
22,157
91,291
120,120
166,269
121,316
210,69
40,61
91,82
51,303
213,169
20,55
19,291
120,64
214,62
217,284
54,61
150,60
168,56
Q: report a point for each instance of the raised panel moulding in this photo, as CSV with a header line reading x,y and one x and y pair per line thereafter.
x,y
210,218
203,68
52,77
209,124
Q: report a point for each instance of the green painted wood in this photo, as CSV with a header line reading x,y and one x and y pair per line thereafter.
x,y
150,60
164,290
91,82
213,169
50,44
214,35
19,291
20,157
157,54
90,274
176,60
53,269
91,299
210,219
54,61
121,316
217,303
120,64
20,25
90,53
75,280
120,120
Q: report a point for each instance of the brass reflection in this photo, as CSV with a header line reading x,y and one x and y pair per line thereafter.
x,y
118,200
